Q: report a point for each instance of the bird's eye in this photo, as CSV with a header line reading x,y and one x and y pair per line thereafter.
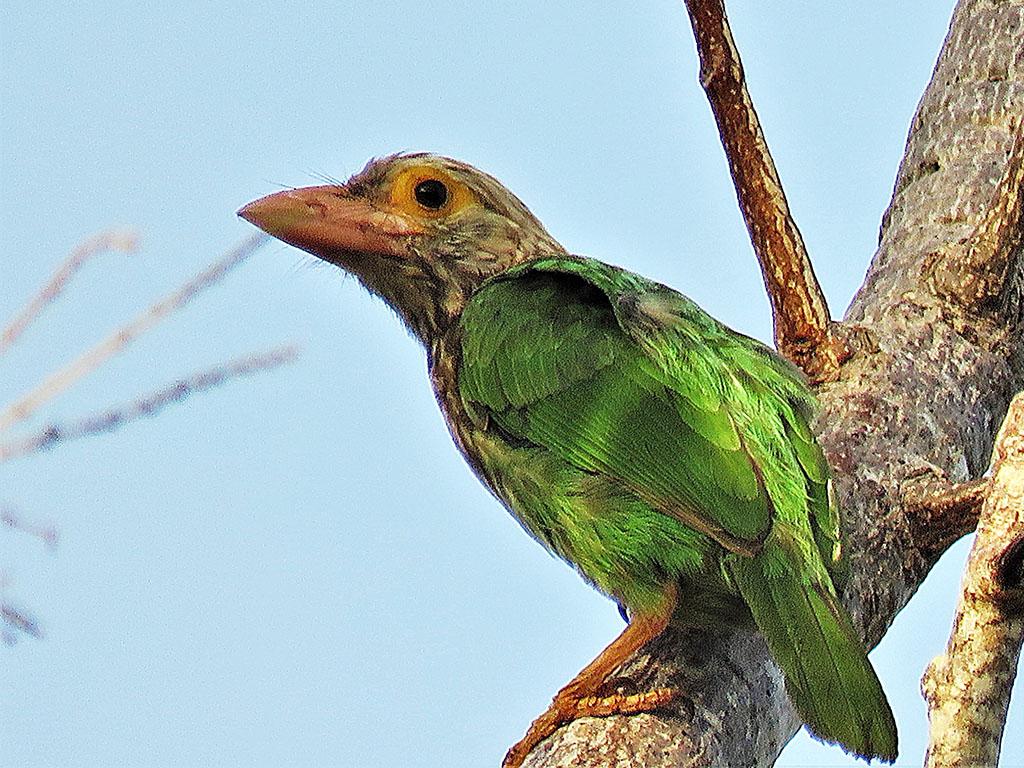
x,y
426,192
432,194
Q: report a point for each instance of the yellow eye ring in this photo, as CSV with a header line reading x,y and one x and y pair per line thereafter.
x,y
429,192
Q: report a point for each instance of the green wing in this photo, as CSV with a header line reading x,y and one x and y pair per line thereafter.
x,y
546,355
714,366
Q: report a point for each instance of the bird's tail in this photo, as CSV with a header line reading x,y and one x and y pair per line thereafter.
x,y
827,672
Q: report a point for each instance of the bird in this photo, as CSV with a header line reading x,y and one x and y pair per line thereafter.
x,y
667,458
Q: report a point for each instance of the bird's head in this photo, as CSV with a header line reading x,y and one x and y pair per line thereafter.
x,y
421,231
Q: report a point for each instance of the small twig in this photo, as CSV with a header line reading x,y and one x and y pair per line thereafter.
x,y
14,620
45,533
111,240
968,687
148,405
960,499
804,331
19,620
940,515
121,338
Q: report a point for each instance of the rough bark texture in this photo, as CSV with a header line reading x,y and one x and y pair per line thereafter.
x,y
935,332
968,687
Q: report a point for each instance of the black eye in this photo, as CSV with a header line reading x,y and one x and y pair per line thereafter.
x,y
432,194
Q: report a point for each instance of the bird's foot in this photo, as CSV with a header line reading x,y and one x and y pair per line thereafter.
x,y
565,709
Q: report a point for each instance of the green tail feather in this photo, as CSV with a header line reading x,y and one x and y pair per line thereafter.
x,y
827,672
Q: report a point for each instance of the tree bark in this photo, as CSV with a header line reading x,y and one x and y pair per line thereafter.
x,y
968,687
935,333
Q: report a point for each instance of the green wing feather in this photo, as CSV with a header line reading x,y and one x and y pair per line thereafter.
x,y
562,374
715,369
627,379
828,675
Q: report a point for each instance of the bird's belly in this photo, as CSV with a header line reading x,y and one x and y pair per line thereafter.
x,y
616,541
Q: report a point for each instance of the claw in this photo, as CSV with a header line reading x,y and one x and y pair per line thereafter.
x,y
581,697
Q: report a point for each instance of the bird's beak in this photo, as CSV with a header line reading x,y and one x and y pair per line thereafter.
x,y
329,223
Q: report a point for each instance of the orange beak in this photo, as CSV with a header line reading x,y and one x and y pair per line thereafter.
x,y
328,223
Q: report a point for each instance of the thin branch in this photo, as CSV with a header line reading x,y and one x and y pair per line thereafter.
x,y
14,620
62,379
804,331
45,533
968,688
941,515
149,405
19,620
111,240
960,499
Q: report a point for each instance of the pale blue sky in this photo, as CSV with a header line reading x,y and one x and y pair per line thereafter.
x,y
298,570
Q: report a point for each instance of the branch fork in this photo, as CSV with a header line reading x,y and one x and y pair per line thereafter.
x,y
804,330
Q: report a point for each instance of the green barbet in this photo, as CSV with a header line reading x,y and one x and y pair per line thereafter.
x,y
666,457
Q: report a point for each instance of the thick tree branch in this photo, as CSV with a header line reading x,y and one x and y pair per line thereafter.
x,y
804,331
974,271
928,383
968,687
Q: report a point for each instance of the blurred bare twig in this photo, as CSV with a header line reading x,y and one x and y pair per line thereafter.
x,y
110,240
19,620
15,622
147,405
45,533
63,378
